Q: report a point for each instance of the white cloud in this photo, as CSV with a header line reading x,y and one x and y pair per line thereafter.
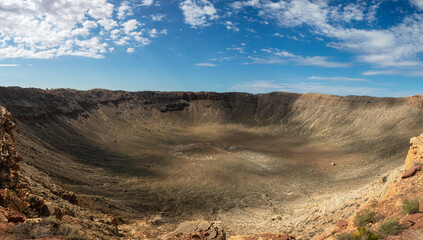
x,y
198,13
89,24
130,50
48,29
231,26
296,12
266,60
239,48
279,52
123,41
317,13
342,79
395,47
243,4
380,72
277,56
154,33
352,12
9,65
86,29
206,65
157,17
124,10
395,72
130,26
304,87
320,62
147,2
108,24
221,59
417,3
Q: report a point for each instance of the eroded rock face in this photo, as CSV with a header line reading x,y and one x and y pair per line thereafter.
x,y
8,157
415,154
12,192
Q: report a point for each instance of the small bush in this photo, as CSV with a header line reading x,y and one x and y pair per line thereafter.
x,y
410,206
46,228
391,227
366,234
71,232
68,230
345,236
364,218
360,234
52,220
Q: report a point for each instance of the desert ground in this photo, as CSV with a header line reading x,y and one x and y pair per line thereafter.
x,y
236,158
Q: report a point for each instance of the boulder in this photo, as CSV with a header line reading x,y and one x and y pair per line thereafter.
x,y
342,225
413,218
9,199
15,217
411,171
50,210
70,197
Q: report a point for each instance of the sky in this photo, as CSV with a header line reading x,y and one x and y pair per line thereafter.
x,y
371,47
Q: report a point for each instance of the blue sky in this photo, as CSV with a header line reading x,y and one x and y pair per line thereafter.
x,y
336,47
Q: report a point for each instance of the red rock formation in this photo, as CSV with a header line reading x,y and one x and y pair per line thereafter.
x,y
12,192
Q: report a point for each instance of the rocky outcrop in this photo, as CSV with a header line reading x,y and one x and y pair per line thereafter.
x,y
415,154
12,191
23,210
9,159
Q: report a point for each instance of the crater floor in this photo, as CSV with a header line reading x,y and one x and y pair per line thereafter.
x,y
229,172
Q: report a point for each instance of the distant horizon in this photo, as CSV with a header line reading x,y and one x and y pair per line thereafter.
x,y
202,91
356,47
